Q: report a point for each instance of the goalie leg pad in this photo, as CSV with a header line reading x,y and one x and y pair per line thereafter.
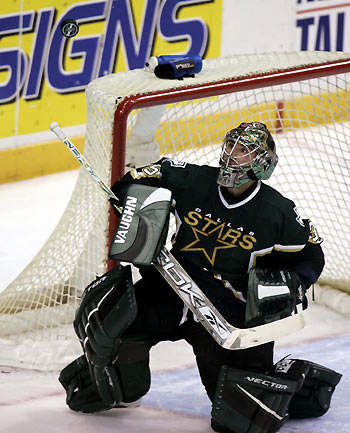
x,y
107,383
130,379
314,397
133,369
248,402
107,309
81,393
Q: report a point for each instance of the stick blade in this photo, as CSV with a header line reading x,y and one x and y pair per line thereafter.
x,y
251,337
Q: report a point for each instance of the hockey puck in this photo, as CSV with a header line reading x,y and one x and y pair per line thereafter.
x,y
69,28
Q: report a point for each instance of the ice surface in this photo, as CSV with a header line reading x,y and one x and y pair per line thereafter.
x,y
33,402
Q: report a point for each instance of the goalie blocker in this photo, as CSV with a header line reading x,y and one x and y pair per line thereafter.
x,y
143,225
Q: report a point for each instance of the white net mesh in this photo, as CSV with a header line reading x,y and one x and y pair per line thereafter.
x,y
309,120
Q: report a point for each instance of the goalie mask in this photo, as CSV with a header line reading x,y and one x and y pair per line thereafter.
x,y
248,153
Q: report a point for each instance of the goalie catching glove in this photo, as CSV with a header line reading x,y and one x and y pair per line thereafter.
x,y
273,295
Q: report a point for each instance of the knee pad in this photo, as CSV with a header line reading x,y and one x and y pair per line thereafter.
x,y
248,402
313,399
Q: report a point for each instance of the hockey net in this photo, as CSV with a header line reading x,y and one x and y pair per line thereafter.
x,y
304,98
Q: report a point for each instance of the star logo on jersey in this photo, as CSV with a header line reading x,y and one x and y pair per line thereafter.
x,y
208,243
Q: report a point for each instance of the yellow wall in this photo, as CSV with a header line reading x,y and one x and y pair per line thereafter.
x,y
281,116
31,112
37,160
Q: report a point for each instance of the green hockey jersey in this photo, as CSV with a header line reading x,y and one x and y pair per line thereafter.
x,y
216,240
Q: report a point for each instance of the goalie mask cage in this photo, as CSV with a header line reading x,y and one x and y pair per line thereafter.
x,y
304,98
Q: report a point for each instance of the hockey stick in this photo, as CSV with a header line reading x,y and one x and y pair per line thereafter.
x,y
55,128
223,332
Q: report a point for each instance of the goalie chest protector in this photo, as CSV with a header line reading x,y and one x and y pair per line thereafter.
x,y
143,225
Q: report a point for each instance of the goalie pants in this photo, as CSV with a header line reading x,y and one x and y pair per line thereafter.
x,y
160,312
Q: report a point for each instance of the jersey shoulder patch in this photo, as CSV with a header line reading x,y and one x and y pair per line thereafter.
x,y
314,236
152,170
175,163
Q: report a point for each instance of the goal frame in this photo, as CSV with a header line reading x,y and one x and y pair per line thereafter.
x,y
134,117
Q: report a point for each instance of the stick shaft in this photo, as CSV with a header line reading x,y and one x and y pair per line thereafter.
x,y
55,128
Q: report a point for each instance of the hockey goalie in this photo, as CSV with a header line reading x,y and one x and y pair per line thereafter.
x,y
254,258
